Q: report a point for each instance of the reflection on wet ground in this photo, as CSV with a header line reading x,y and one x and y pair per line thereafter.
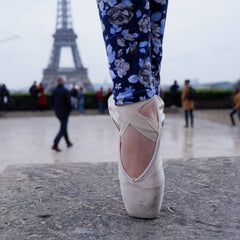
x,y
28,140
206,139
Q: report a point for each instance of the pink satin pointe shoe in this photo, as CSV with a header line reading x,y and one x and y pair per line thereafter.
x,y
142,196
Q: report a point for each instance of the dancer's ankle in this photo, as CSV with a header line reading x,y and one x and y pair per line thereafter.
x,y
136,149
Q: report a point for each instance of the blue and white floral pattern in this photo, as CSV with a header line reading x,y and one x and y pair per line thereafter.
x,y
133,33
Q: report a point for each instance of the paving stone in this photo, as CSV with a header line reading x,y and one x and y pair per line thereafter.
x,y
83,201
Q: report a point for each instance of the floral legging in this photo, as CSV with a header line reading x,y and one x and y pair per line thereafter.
x,y
133,33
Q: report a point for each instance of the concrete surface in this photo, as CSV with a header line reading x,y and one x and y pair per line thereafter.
x,y
82,201
27,138
216,115
75,194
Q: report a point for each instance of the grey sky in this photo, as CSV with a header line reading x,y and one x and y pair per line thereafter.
x,y
201,40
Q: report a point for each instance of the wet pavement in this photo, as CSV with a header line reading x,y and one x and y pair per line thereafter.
x,y
27,138
71,198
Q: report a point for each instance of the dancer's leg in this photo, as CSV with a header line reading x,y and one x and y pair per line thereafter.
x,y
129,39
141,158
126,31
136,149
158,19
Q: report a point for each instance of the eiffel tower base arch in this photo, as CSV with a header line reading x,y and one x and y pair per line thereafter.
x,y
78,77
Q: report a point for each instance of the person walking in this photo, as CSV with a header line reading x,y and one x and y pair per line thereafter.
x,y
133,33
174,94
74,96
81,100
236,108
109,93
33,90
6,98
187,102
100,100
42,99
61,102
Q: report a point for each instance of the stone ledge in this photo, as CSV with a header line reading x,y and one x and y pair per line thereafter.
x,y
83,201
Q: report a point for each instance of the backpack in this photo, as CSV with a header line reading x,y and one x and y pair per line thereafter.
x,y
191,93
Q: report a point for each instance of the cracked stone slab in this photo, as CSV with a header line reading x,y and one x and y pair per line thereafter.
x,y
83,201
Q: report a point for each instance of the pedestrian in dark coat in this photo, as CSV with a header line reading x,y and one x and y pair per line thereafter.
x,y
33,90
5,96
174,94
61,101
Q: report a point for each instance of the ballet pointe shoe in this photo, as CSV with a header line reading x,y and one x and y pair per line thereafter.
x,y
143,195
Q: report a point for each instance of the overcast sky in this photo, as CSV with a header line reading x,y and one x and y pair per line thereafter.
x,y
202,40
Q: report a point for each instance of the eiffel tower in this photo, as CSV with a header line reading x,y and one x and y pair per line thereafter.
x,y
65,37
